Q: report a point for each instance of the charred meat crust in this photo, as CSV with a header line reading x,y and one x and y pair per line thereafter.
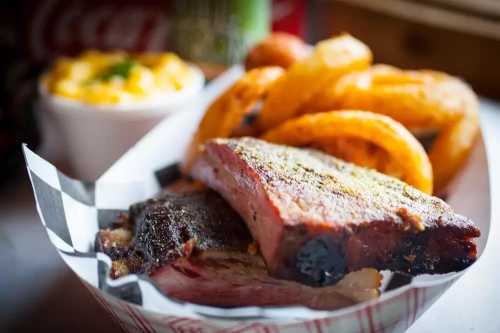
x,y
316,217
175,225
164,226
322,261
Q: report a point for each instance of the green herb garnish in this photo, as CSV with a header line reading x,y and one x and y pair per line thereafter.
x,y
120,70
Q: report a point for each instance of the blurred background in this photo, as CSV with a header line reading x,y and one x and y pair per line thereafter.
x,y
37,292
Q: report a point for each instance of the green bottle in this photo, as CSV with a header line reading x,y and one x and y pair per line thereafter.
x,y
217,33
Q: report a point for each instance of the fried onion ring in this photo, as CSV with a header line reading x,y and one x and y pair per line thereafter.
x,y
380,130
226,113
420,100
329,60
455,142
362,153
417,99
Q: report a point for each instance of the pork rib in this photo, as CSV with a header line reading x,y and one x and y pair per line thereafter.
x,y
317,218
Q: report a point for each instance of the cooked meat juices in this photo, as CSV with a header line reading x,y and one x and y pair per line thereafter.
x,y
316,218
197,249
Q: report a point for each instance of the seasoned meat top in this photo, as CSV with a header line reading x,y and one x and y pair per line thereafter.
x,y
307,185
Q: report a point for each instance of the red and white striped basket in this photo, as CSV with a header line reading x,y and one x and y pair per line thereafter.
x,y
392,314
73,211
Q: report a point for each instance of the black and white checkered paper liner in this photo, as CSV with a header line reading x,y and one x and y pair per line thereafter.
x,y
73,211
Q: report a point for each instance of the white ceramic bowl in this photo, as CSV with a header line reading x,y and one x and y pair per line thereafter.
x,y
92,137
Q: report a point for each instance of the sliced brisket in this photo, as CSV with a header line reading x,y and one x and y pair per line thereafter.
x,y
317,218
174,225
197,249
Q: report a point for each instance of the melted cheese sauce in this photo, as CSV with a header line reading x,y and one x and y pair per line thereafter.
x,y
101,78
